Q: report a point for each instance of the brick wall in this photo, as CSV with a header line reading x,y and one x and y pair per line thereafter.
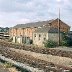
x,y
27,32
63,27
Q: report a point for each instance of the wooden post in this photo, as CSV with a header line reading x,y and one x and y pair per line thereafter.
x,y
59,28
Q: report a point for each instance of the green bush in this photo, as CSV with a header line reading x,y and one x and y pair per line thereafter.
x,y
66,41
63,43
8,65
50,44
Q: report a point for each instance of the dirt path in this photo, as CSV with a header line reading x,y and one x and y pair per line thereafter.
x,y
63,48
50,58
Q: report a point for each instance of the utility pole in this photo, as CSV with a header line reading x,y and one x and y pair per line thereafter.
x,y
59,28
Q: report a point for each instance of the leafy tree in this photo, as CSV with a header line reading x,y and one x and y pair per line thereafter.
x,y
2,30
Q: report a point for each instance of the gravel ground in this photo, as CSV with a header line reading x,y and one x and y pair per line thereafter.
x,y
50,58
12,70
37,60
59,51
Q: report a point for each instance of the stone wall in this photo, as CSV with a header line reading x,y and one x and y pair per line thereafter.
x,y
39,40
54,36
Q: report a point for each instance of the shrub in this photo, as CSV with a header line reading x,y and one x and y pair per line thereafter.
x,y
66,41
8,65
63,43
50,44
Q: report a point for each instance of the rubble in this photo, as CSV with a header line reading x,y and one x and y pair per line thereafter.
x,y
55,52
30,60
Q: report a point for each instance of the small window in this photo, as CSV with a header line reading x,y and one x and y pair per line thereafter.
x,y
27,37
39,36
34,35
44,38
35,27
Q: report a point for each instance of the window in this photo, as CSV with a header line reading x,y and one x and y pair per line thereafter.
x,y
35,27
39,36
44,36
34,35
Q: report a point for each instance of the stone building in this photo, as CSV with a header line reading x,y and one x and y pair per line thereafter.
x,y
24,32
45,33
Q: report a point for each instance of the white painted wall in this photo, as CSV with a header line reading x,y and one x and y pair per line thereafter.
x,y
36,40
51,36
19,39
14,39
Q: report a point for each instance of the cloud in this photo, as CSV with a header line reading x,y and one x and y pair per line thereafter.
x,y
13,12
23,21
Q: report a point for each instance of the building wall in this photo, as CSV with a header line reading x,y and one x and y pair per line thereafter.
x,y
49,36
63,27
11,32
14,39
39,40
28,32
19,39
54,36
22,32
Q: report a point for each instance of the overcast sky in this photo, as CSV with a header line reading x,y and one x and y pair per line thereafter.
x,y
14,12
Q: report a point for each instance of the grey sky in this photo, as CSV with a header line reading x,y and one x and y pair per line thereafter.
x,y
14,12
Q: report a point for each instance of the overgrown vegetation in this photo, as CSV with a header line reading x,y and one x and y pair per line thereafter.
x,y
50,44
4,29
66,40
8,65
